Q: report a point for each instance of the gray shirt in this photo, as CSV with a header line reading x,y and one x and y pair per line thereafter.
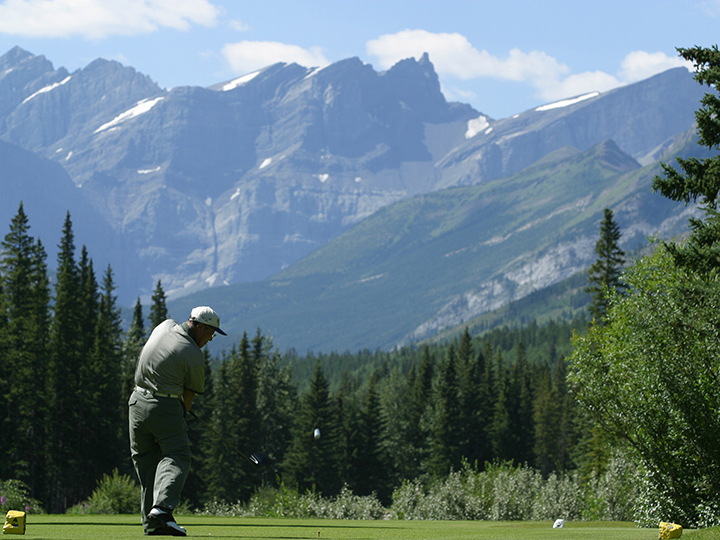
x,y
171,361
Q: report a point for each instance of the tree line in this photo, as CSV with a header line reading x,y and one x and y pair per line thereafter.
x,y
67,365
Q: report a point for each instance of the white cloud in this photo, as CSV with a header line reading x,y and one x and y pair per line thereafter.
x,y
97,19
639,65
246,56
453,56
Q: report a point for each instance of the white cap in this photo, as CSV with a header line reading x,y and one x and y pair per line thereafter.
x,y
207,315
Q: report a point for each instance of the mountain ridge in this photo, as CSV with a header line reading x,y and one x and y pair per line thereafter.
x,y
246,181
411,270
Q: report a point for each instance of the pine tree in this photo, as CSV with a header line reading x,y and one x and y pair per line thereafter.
x,y
105,429
235,415
86,403
487,396
470,369
371,459
25,302
63,381
416,449
547,425
311,464
522,410
503,439
158,308
216,452
276,404
605,272
699,179
445,431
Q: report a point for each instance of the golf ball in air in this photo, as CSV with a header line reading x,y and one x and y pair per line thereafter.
x,y
316,433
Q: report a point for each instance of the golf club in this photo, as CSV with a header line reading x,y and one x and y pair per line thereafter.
x,y
257,458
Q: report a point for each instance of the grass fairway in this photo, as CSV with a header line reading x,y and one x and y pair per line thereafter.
x,y
61,527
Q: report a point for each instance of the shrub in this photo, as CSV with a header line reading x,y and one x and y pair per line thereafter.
x,y
288,503
15,495
116,494
502,491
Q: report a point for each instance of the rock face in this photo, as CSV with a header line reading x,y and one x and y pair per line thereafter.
x,y
232,183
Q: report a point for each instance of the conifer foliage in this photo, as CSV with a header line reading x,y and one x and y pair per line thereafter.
x,y
604,273
66,371
699,179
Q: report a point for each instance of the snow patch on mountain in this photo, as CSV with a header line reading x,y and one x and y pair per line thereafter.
x,y
48,88
476,125
141,107
567,102
240,81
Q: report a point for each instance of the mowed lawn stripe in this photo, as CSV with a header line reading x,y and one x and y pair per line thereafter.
x,y
61,527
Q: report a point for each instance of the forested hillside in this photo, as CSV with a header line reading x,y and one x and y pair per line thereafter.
x,y
417,412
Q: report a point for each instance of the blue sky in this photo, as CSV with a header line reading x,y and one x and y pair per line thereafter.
x,y
502,57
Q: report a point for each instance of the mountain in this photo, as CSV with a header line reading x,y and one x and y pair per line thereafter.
x,y
47,194
204,187
433,261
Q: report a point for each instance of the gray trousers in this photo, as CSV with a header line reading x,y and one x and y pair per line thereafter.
x,y
160,450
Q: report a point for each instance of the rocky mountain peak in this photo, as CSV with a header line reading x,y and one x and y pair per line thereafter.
x,y
234,182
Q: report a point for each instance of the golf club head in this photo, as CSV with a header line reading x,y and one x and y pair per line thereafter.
x,y
259,459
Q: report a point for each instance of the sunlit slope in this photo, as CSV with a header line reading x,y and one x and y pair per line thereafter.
x,y
428,263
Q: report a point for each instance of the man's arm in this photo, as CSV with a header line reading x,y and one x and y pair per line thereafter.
x,y
187,397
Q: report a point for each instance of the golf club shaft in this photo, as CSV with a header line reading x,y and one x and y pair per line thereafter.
x,y
221,437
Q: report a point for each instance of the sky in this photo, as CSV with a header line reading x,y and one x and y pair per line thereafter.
x,y
500,56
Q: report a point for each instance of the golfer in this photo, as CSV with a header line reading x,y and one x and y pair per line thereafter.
x,y
170,371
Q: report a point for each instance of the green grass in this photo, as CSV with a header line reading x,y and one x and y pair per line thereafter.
x,y
62,527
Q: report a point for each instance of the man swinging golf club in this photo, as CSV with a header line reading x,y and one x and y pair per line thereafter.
x,y
170,371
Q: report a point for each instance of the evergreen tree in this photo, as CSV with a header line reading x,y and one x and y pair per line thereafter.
x,y
503,440
276,405
63,381
158,308
547,425
470,369
350,434
522,410
217,454
411,460
394,393
311,464
445,431
699,179
605,272
89,302
487,396
86,405
235,415
371,459
105,366
24,348
567,435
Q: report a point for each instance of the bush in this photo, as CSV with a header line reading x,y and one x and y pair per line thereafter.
x,y
288,503
14,495
116,494
501,492
505,492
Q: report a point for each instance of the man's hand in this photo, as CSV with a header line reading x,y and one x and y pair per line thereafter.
x,y
187,397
